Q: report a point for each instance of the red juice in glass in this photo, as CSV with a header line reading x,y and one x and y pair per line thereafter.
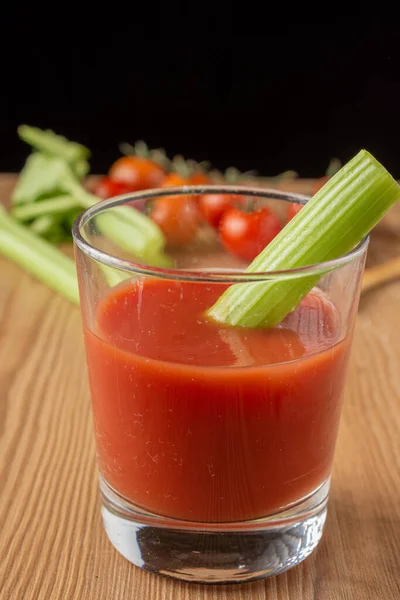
x,y
202,422
214,443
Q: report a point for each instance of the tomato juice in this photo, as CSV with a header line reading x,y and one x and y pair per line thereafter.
x,y
202,422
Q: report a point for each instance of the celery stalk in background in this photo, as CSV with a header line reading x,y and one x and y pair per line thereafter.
x,y
48,197
332,223
38,257
42,225
50,143
40,177
48,206
45,176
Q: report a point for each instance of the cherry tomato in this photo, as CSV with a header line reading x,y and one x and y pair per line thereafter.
x,y
177,216
292,210
173,180
138,173
319,183
108,188
199,178
213,207
246,234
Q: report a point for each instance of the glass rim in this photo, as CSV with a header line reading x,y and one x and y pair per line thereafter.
x,y
203,275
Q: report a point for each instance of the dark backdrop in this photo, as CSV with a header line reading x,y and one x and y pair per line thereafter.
x,y
269,98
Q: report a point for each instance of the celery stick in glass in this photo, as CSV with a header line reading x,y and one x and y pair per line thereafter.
x,y
331,224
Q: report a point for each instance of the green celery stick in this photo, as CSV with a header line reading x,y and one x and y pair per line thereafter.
x,y
130,238
50,143
145,228
39,265
81,168
38,245
52,228
113,276
43,224
331,224
59,204
38,257
69,219
126,235
41,176
128,228
48,176
159,258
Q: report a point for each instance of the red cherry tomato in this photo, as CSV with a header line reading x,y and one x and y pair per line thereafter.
x,y
246,234
199,178
173,180
292,210
177,216
108,188
138,173
319,183
213,207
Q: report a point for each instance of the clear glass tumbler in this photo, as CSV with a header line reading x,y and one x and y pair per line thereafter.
x,y
214,443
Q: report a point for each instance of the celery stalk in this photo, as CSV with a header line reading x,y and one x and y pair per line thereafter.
x,y
127,227
331,224
33,241
43,224
41,176
81,168
50,143
113,276
59,204
131,238
38,257
146,228
39,265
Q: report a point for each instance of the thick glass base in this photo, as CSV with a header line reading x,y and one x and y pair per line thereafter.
x,y
210,552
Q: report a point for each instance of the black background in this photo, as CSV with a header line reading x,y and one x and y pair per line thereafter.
x,y
270,96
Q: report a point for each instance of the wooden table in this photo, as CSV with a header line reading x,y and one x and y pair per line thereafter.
x,y
52,544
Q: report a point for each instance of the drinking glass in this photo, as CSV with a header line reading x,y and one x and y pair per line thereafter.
x,y
214,443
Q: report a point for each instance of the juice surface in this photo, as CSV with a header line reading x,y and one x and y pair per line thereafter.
x,y
203,422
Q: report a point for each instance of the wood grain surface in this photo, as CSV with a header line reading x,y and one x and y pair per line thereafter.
x,y
52,545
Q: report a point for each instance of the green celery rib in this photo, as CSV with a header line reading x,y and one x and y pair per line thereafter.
x,y
81,168
114,276
59,204
43,224
131,238
35,243
331,224
39,265
37,257
40,176
49,142
127,227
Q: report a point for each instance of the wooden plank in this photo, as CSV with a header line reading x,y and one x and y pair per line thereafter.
x,y
52,544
